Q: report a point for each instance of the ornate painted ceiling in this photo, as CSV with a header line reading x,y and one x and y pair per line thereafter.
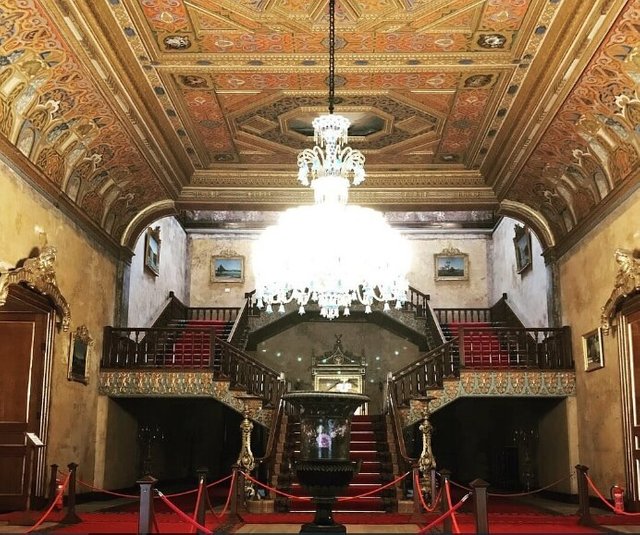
x,y
127,110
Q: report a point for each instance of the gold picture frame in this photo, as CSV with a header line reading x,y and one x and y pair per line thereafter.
x,y
81,341
152,251
227,267
346,383
593,350
451,265
522,245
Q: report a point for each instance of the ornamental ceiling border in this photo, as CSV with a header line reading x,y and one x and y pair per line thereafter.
x,y
495,384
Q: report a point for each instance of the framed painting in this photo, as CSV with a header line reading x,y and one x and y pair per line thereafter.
x,y
451,265
152,251
227,268
593,350
81,341
522,245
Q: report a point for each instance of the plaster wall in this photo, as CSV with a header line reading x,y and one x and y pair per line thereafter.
x,y
86,277
148,293
587,274
469,293
557,451
526,291
291,351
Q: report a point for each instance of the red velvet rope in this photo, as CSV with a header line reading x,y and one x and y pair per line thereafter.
x,y
416,484
343,499
53,504
445,515
182,515
454,521
516,494
195,511
606,502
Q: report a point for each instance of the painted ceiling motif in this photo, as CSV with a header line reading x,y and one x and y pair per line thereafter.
x,y
132,109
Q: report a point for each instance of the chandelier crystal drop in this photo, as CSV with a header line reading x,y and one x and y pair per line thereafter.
x,y
331,253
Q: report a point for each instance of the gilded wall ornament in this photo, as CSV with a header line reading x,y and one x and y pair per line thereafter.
x,y
38,273
627,282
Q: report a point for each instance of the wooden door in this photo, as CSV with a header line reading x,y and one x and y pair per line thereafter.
x,y
633,332
23,356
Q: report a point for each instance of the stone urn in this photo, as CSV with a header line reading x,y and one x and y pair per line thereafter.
x,y
323,467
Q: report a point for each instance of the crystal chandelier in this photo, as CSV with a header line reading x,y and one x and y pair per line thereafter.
x,y
331,253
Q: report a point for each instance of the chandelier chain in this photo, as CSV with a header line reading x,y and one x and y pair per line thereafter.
x,y
332,50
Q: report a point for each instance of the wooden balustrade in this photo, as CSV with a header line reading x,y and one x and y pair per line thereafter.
x,y
228,314
463,315
145,349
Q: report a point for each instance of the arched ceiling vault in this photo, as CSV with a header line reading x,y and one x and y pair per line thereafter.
x,y
124,109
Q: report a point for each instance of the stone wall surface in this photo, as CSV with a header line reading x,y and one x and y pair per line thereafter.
x,y
86,277
148,292
526,291
587,275
466,293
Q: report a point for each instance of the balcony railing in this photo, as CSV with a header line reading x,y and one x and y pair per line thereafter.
x,y
188,349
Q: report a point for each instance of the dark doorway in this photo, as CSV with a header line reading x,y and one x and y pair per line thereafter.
x,y
495,439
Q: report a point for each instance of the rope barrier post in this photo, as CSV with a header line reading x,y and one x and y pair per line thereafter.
x,y
145,516
53,484
237,492
584,512
447,524
71,517
202,481
480,511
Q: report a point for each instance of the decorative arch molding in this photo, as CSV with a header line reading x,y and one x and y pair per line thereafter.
x,y
531,218
144,218
626,285
38,273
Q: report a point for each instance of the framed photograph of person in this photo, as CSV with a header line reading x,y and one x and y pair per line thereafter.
x,y
152,251
81,341
522,245
227,267
593,350
451,265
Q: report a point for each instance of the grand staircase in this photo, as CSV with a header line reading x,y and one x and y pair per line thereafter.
x,y
369,446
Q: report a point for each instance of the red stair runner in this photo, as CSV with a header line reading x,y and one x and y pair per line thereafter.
x,y
481,344
373,453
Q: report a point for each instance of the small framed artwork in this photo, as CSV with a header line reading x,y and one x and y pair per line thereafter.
x,y
227,267
152,251
81,341
593,350
522,245
451,265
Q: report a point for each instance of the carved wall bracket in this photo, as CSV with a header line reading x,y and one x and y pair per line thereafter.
x,y
38,273
627,283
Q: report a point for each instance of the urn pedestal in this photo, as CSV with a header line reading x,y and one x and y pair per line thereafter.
x,y
324,467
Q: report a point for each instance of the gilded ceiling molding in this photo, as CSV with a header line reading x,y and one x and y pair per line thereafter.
x,y
38,273
144,218
532,218
627,282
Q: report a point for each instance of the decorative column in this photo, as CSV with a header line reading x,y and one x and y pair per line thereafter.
x,y
427,461
246,461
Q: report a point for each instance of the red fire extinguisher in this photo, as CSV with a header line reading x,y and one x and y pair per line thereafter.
x,y
617,494
59,500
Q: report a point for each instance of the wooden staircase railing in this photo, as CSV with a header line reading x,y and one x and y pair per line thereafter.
x,y
189,348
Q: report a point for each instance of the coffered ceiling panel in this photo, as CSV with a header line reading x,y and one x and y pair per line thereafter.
x,y
131,109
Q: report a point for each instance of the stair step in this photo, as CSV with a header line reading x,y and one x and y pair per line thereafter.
x,y
354,489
